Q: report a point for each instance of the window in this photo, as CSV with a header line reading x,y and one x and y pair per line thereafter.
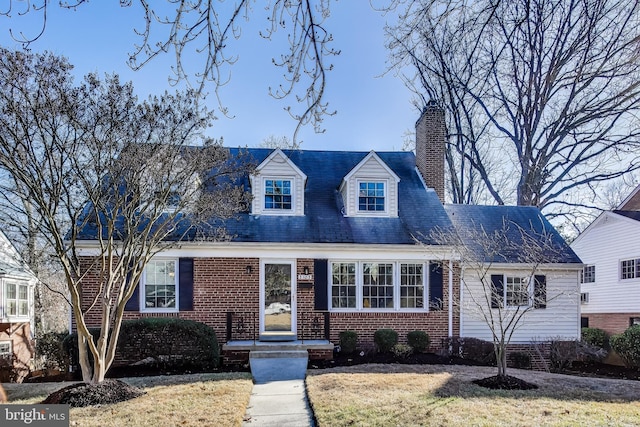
x,y
17,299
588,274
630,268
5,348
277,194
584,297
160,284
377,285
517,291
411,286
371,197
343,285
633,321
584,322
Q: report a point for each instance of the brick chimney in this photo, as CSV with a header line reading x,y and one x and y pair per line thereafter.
x,y
430,142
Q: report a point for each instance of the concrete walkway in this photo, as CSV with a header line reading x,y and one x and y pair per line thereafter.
x,y
279,395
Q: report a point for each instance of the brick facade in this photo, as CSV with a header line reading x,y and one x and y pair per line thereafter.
x,y
611,323
16,367
221,285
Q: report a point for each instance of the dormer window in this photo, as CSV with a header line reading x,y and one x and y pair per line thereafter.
x,y
371,196
277,194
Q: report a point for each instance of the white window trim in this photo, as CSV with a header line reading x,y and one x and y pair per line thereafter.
x,y
286,212
529,292
396,287
636,260
582,274
385,212
143,284
5,299
10,351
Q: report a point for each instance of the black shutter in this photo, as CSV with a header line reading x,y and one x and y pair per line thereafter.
x,y
134,302
320,284
185,283
435,286
497,290
540,292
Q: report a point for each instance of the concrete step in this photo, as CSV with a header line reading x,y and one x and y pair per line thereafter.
x,y
279,365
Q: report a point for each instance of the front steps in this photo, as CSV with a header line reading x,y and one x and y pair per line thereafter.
x,y
278,365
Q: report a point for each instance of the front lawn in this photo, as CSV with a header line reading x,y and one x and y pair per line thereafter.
x,y
184,400
413,395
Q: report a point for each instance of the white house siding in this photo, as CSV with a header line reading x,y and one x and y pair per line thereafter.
x,y
371,170
610,239
280,168
558,320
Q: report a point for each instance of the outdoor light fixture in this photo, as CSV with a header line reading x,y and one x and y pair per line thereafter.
x,y
249,269
306,270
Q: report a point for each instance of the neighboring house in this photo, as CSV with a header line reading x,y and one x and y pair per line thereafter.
x,y
610,281
335,241
17,284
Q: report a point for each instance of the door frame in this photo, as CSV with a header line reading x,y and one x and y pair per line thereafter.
x,y
279,335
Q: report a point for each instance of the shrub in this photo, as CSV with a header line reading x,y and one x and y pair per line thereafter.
x,y
562,354
402,351
627,345
472,349
418,340
51,353
348,341
520,360
385,339
596,337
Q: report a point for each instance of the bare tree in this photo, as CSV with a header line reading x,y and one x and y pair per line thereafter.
x,y
102,169
209,27
542,96
502,305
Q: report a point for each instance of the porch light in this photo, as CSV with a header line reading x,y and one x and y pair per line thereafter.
x,y
249,269
306,270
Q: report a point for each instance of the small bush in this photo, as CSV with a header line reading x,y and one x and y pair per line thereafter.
x,y
402,351
472,349
520,360
596,337
562,354
348,341
418,340
51,353
627,345
385,339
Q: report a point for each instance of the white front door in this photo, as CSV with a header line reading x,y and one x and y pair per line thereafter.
x,y
277,300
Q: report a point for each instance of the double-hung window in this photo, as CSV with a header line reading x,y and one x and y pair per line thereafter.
x,y
380,285
160,285
371,196
5,348
630,268
517,291
588,274
17,299
277,194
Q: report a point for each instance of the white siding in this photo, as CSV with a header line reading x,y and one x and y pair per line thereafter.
x,y
278,168
559,319
604,244
370,170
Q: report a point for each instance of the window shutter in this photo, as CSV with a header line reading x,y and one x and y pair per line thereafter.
x,y
497,290
435,286
320,284
134,302
185,283
540,292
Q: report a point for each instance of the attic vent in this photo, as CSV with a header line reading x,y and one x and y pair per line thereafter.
x,y
584,297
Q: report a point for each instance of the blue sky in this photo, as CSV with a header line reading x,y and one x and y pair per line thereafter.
x,y
373,112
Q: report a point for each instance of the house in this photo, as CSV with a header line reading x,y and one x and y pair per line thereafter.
x,y
17,284
336,241
610,281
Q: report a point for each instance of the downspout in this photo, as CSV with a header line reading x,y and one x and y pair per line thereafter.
x,y
450,298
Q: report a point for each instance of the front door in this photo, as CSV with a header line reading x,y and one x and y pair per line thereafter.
x,y
277,301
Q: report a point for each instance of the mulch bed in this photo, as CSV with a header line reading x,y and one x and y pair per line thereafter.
x,y
504,382
83,394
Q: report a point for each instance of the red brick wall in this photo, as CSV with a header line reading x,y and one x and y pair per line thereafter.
x,y
223,284
611,323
